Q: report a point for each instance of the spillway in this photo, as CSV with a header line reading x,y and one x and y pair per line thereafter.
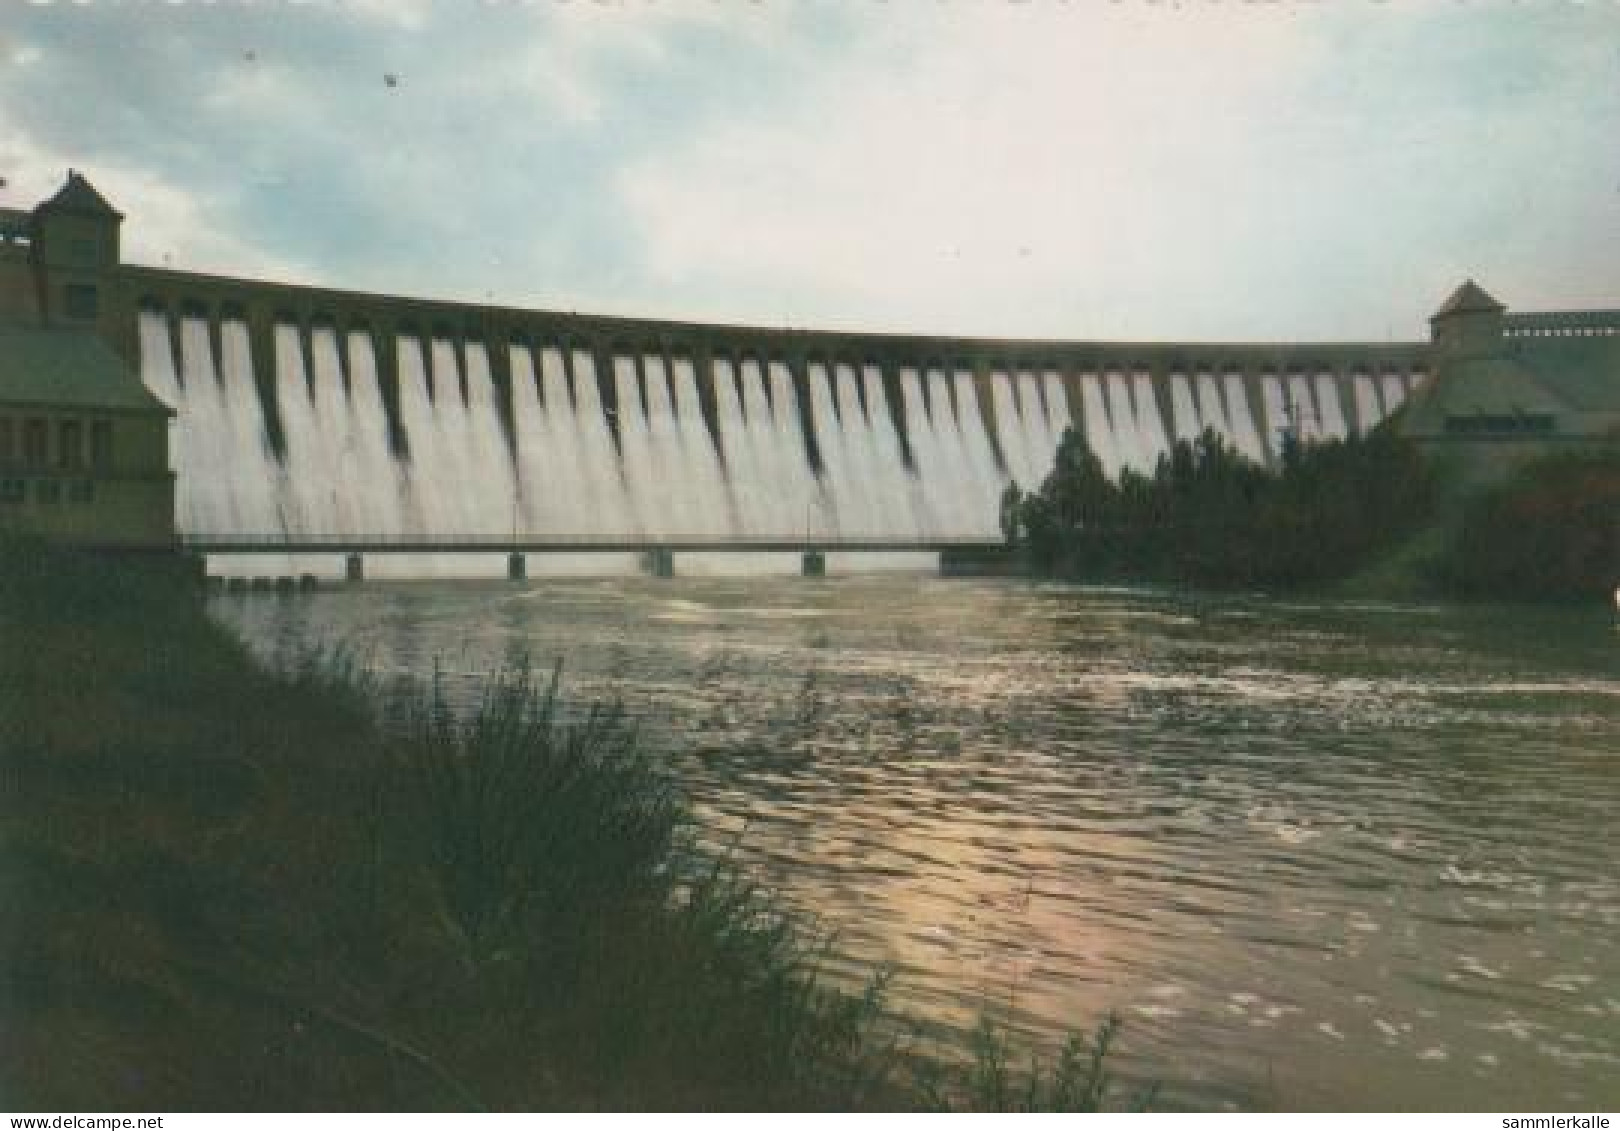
x,y
314,433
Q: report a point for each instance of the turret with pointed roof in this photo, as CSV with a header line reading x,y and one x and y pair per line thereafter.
x,y
1469,323
76,254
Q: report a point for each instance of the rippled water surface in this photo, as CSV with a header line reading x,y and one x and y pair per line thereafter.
x,y
1315,855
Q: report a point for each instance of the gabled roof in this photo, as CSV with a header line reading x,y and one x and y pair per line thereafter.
x,y
80,197
69,369
1470,298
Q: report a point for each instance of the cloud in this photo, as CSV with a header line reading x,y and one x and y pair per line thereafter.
x,y
285,130
173,228
1131,170
1142,172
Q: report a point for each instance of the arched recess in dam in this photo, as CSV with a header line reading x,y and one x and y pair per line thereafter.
x,y
305,430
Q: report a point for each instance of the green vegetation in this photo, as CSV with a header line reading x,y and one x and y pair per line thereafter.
x,y
230,888
1077,1080
1366,516
1550,532
1209,516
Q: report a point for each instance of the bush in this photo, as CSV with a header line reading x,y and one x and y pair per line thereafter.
x,y
526,818
1551,533
562,865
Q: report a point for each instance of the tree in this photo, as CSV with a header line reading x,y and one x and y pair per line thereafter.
x,y
1211,516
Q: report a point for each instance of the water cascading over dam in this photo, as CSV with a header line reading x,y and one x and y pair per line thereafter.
x,y
346,435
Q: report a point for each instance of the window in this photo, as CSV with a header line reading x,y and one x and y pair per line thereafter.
x,y
7,441
70,445
34,443
11,490
82,491
79,299
48,491
101,445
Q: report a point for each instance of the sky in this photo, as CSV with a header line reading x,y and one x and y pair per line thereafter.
x,y
1133,170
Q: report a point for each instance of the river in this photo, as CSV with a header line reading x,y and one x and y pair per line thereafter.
x,y
1316,855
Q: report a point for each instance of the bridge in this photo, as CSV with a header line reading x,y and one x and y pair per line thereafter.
x,y
657,555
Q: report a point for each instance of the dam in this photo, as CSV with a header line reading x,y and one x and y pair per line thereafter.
x,y
314,417
446,434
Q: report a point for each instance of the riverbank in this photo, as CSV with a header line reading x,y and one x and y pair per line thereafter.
x,y
227,887
1301,844
1365,517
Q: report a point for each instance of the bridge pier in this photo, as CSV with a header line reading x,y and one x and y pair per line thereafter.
x,y
660,561
964,556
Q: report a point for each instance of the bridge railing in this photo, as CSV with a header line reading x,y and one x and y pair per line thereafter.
x,y
389,544
1563,324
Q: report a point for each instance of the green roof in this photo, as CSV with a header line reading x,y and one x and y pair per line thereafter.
x,y
67,368
1584,371
1483,385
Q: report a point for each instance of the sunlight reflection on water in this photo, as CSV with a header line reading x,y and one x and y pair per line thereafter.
x,y
1316,855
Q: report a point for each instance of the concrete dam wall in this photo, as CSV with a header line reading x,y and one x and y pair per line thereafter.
x,y
314,415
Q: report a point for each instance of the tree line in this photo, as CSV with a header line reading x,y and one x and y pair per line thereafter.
x,y
1210,516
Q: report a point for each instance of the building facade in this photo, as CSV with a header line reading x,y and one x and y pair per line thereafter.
x,y
84,446
1510,388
